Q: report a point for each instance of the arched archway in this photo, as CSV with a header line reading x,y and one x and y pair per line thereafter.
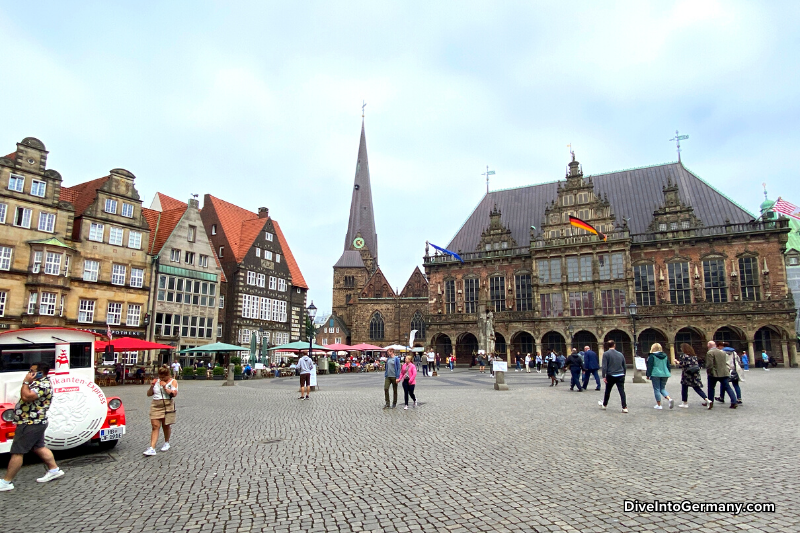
x,y
693,338
735,338
623,343
466,348
442,345
584,338
523,343
553,340
500,345
651,336
769,339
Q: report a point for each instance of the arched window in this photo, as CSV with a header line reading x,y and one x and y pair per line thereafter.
x,y
418,324
376,327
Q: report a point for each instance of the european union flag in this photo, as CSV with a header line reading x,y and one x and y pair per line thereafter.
x,y
446,251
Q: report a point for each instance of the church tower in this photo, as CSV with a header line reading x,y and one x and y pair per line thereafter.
x,y
359,260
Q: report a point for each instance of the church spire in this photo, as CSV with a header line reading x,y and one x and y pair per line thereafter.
x,y
362,219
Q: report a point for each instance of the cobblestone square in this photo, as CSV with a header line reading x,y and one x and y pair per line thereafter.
x,y
535,458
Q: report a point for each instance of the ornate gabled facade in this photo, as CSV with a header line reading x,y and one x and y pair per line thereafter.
x,y
713,272
363,299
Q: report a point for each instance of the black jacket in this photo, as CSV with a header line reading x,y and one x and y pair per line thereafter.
x,y
574,360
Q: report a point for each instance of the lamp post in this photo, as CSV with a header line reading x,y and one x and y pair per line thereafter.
x,y
632,312
312,312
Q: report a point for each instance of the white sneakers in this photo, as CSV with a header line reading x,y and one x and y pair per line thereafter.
x,y
625,410
150,451
657,407
6,485
405,408
51,475
684,405
601,405
165,447
671,403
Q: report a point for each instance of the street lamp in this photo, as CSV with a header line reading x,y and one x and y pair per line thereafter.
x,y
632,312
312,312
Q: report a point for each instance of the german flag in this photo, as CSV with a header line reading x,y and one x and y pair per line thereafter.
x,y
578,223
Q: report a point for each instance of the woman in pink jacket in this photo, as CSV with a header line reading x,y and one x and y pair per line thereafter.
x,y
408,377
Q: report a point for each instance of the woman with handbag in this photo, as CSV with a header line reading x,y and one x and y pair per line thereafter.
x,y
162,408
408,377
690,376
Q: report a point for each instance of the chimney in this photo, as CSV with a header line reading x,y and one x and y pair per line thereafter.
x,y
193,203
263,212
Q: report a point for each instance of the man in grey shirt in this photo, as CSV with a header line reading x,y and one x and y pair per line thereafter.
x,y
305,365
614,374
390,376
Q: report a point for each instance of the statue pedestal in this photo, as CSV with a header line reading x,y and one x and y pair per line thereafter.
x,y
229,382
638,376
500,381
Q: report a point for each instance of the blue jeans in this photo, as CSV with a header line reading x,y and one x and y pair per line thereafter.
x,y
518,367
588,373
576,377
659,387
724,385
735,385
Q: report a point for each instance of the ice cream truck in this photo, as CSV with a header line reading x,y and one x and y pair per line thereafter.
x,y
80,412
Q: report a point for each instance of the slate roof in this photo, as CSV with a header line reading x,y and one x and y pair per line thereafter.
x,y
350,259
82,195
362,214
633,193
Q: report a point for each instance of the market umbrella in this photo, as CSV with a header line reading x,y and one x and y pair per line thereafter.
x,y
298,345
264,352
253,349
339,347
215,347
397,348
368,348
129,344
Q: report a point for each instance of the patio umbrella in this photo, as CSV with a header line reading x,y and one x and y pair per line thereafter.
x,y
215,347
253,349
339,347
368,348
298,345
264,352
129,344
397,348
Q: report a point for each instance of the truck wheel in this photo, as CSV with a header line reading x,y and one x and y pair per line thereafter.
x,y
108,444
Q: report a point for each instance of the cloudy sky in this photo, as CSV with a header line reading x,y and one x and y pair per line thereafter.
x,y
260,103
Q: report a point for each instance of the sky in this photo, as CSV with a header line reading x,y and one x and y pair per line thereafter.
x,y
259,103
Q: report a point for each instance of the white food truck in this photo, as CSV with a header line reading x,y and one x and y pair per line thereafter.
x,y
80,411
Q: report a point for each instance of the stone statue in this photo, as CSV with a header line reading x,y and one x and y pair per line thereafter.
x,y
489,332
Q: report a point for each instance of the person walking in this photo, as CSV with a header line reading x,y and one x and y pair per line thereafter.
x,y
718,372
737,373
562,365
745,362
613,374
424,362
390,376
431,361
518,360
765,360
552,370
304,366
690,376
538,363
408,377
482,362
492,358
438,362
452,362
591,364
528,363
176,369
30,417
162,408
575,367
417,361
658,372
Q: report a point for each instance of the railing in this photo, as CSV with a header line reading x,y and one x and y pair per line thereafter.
x,y
578,239
711,231
487,254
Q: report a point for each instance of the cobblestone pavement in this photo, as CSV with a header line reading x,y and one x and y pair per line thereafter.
x,y
535,458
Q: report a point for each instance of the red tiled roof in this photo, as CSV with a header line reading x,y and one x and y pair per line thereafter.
x,y
12,155
168,203
151,216
162,224
297,277
221,271
83,194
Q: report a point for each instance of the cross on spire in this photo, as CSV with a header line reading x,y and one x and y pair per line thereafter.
x,y
487,174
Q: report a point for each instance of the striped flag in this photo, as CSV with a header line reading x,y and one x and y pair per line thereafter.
x,y
786,208
578,223
108,332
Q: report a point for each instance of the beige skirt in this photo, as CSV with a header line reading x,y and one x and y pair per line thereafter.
x,y
163,410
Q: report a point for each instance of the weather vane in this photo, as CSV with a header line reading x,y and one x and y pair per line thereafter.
x,y
678,138
363,105
487,174
570,151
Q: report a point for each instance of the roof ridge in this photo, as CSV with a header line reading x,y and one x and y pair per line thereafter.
x,y
523,186
633,168
717,190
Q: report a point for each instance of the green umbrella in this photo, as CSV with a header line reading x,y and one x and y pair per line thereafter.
x,y
216,347
253,348
299,345
264,352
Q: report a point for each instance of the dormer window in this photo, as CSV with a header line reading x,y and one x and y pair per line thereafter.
x,y
488,246
213,229
505,245
569,199
127,210
111,206
191,234
673,226
268,236
662,226
16,183
38,188
685,224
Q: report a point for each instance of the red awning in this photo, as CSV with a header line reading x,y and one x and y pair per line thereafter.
x,y
129,344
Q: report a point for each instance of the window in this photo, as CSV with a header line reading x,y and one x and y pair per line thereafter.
x,y
261,280
579,269
221,301
586,268
16,183
258,251
47,222
244,336
524,300
277,258
604,266
417,323
471,286
685,224
115,236
137,277
714,277
281,284
748,277
111,206
613,301
134,313
219,330
38,188
221,251
52,264
449,296
134,240
96,232
552,305
549,271
47,305
22,217
673,226
3,210
581,303
267,255
497,292
175,255
91,270
266,309
189,258
86,311
203,261
644,283
114,314
376,327
583,197
662,226
118,274
679,288
273,283
251,277
3,296
127,210
191,234
5,257
268,236
37,262
167,324
569,199
32,302
572,269
617,266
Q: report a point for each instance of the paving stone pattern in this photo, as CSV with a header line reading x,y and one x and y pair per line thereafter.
x,y
535,458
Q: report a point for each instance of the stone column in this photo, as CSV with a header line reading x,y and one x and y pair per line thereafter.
x,y
793,352
672,354
785,349
751,351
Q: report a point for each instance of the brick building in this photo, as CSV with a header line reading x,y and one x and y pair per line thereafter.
x,y
697,265
362,296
